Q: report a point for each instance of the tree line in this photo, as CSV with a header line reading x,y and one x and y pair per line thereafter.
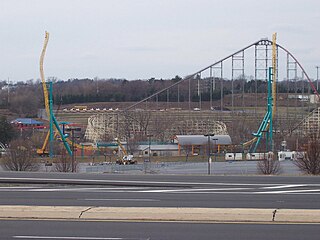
x,y
25,98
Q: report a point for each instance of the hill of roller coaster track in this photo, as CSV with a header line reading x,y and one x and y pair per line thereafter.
x,y
289,112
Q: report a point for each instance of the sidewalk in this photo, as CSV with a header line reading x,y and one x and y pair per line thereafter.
x,y
160,214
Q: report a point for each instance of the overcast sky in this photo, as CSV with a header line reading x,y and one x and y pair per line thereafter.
x,y
147,38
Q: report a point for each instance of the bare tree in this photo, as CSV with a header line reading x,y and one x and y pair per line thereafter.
x,y
143,120
20,157
63,161
310,161
269,165
132,145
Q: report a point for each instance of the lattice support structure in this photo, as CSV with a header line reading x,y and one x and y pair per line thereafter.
x,y
207,91
311,124
162,125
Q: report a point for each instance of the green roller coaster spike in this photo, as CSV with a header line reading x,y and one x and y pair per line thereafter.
x,y
266,124
56,124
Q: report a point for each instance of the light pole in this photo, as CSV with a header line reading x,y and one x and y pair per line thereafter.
x,y
215,145
209,158
317,67
149,137
73,161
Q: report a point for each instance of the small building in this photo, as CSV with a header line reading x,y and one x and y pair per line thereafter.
x,y
233,156
197,144
164,150
27,123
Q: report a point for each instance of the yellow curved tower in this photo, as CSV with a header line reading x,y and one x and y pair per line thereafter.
x,y
43,80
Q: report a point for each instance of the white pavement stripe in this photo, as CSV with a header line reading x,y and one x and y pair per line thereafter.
x,y
285,186
250,193
213,192
81,189
121,199
17,187
190,190
67,189
80,238
143,182
290,191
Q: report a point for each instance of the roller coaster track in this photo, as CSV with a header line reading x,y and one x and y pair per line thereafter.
x,y
274,64
192,76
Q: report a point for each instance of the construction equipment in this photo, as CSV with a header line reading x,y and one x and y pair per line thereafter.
x,y
126,159
43,151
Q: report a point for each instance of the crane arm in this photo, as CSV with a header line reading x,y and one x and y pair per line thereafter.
x,y
121,146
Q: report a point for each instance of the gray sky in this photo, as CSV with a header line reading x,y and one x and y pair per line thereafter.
x,y
147,38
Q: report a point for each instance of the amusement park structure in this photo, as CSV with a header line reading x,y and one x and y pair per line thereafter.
x,y
48,99
262,61
267,122
185,111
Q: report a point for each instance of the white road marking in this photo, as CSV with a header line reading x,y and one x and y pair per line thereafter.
x,y
285,186
26,189
232,188
121,199
213,192
190,190
18,187
290,191
143,182
81,189
81,238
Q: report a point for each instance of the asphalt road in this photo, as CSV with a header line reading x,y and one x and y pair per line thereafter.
x,y
153,231
159,191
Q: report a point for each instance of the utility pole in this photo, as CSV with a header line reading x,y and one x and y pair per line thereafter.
x,y
8,91
317,67
215,148
209,157
74,148
149,155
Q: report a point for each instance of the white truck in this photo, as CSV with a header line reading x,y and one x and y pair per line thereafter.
x,y
3,150
126,159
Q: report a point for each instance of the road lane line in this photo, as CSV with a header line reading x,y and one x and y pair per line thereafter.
x,y
285,186
18,187
80,189
311,192
190,190
80,238
68,189
141,182
290,191
121,199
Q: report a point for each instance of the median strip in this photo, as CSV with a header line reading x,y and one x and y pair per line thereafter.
x,y
161,214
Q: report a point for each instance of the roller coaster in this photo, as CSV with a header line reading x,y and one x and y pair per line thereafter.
x,y
55,131
271,62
